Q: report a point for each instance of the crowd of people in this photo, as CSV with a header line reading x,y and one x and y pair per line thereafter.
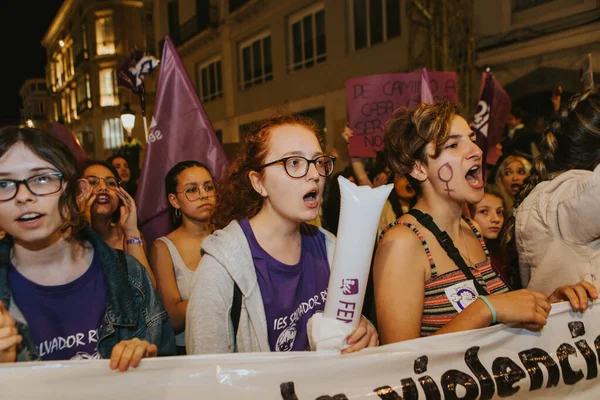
x,y
246,266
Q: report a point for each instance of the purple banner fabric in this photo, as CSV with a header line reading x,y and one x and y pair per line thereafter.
x,y
490,117
180,130
426,95
371,100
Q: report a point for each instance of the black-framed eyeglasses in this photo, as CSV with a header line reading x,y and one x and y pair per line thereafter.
x,y
195,192
110,182
38,185
297,166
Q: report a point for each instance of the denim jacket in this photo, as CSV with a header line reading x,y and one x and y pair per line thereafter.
x,y
133,309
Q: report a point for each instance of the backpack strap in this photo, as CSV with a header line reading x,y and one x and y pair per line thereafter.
x,y
236,311
448,245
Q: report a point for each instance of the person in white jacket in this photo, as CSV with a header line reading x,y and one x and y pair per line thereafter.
x,y
266,255
557,229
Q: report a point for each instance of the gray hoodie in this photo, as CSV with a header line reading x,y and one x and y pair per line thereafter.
x,y
227,258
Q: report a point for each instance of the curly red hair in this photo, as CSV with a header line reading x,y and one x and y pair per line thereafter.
x,y
237,197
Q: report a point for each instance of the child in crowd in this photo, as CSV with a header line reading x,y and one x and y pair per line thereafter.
x,y
510,175
557,227
266,271
433,261
64,293
191,193
489,216
121,165
111,211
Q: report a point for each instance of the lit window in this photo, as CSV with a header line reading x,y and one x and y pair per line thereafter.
x,y
209,80
108,93
112,133
374,21
74,105
105,35
307,38
59,71
256,64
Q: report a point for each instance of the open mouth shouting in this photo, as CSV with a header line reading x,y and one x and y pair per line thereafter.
x,y
311,198
474,177
514,188
102,198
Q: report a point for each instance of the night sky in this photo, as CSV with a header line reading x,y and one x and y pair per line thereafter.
x,y
23,24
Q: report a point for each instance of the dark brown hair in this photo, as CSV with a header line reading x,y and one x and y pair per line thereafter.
x,y
237,198
50,149
408,132
570,141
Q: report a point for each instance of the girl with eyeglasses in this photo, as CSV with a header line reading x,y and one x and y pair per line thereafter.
x,y
111,211
191,192
64,293
265,272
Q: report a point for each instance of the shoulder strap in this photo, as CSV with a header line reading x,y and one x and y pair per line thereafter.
x,y
448,245
236,310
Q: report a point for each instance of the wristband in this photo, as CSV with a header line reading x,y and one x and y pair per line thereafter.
x,y
135,240
491,307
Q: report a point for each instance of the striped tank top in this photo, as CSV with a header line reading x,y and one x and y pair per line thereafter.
x,y
437,308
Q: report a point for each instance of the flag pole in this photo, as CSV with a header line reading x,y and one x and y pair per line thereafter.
x,y
145,127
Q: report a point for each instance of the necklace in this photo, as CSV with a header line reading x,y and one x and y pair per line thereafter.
x,y
466,247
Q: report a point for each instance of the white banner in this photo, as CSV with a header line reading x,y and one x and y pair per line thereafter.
x,y
560,362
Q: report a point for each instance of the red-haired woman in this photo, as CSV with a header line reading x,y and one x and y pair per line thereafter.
x,y
265,250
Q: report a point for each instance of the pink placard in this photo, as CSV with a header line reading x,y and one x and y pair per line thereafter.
x,y
371,100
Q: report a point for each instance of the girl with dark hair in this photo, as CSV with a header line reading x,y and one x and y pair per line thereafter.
x,y
556,229
111,211
433,261
489,215
191,192
121,165
59,281
266,262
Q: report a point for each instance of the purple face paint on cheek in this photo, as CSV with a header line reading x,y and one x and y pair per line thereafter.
x,y
445,173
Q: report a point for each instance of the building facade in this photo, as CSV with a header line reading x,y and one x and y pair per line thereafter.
x,y
34,95
86,43
533,45
251,58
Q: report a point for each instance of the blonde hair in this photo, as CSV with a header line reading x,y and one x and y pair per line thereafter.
x,y
509,199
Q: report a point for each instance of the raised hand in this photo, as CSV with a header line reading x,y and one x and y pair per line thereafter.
x,y
85,199
128,220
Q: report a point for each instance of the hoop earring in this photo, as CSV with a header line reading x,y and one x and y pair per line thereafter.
x,y
178,213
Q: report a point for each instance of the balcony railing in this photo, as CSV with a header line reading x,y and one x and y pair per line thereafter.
x,y
520,5
203,20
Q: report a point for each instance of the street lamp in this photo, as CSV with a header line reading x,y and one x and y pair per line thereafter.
x,y
29,123
128,119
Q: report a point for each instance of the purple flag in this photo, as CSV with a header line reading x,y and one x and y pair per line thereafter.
x,y
180,130
426,96
131,74
63,134
490,117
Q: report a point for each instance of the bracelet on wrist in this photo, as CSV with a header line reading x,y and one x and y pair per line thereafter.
x,y
491,307
134,240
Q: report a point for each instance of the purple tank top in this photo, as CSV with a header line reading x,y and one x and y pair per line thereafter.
x,y
291,293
